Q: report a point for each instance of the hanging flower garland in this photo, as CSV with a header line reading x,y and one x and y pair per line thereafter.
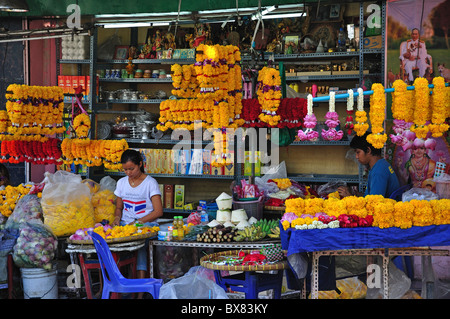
x,y
361,125
439,113
82,124
34,111
349,119
377,115
309,122
94,153
269,95
332,121
401,113
34,152
422,113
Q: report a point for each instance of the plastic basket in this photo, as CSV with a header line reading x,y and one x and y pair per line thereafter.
x,y
252,208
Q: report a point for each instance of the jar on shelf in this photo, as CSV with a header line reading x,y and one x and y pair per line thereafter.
x,y
147,74
138,74
155,74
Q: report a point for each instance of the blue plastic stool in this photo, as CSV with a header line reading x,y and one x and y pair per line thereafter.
x,y
251,283
113,280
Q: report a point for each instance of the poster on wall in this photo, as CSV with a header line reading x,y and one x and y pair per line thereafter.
x,y
418,40
418,45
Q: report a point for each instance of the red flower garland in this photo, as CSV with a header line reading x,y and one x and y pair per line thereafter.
x,y
351,221
291,110
35,152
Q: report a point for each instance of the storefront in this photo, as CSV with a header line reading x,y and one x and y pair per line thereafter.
x,y
245,119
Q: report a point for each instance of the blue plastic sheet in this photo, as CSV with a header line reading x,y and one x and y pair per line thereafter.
x,y
308,240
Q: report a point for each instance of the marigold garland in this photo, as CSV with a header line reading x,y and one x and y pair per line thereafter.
x,y
269,95
439,113
377,115
361,125
34,111
371,210
422,112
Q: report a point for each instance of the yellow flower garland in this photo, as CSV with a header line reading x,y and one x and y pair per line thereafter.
x,y
400,102
422,112
361,125
439,113
377,115
269,95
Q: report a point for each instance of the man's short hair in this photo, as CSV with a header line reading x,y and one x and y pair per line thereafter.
x,y
361,143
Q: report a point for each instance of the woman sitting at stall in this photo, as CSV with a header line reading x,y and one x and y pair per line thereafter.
x,y
138,200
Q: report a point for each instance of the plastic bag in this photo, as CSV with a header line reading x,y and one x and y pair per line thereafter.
x,y
275,172
106,49
109,183
193,285
104,204
28,208
94,187
35,247
419,193
66,204
398,283
328,188
350,288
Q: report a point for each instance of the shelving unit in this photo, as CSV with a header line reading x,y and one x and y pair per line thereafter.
x,y
111,106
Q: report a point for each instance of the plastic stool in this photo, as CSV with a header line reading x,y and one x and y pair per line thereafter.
x,y
251,283
87,265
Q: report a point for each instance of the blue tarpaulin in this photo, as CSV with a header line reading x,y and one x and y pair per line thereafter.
x,y
308,240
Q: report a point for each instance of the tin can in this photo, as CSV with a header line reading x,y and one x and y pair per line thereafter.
x,y
107,74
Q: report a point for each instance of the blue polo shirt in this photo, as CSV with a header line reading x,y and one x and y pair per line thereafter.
x,y
382,179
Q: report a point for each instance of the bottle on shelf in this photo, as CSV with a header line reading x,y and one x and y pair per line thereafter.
x,y
175,228
180,229
203,215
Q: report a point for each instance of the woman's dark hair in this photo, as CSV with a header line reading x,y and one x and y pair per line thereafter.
x,y
132,156
361,143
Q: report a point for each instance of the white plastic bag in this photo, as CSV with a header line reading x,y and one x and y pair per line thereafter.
x,y
419,194
192,285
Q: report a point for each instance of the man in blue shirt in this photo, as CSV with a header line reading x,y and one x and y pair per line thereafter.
x,y
382,179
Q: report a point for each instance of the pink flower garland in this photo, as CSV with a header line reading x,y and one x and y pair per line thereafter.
x,y
332,121
309,122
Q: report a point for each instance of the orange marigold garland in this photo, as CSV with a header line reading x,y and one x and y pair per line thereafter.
x,y
422,112
377,115
439,113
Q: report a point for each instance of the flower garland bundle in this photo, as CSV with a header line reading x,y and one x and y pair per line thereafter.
x,y
82,124
332,120
184,81
377,114
4,124
439,113
361,125
10,196
269,95
34,152
423,213
349,119
403,213
34,111
94,153
422,112
309,121
440,211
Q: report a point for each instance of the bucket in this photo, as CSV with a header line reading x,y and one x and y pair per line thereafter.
x,y
39,283
443,189
253,208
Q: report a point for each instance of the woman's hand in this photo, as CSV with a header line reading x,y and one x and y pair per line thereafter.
x,y
344,191
116,221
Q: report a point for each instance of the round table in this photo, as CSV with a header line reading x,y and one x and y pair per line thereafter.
x,y
252,279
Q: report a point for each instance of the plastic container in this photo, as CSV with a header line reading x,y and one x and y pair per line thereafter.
x,y
175,228
252,208
39,283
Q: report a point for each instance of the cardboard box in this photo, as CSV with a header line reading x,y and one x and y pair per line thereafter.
x,y
67,84
82,83
229,167
206,164
179,197
217,170
374,42
161,190
169,162
88,87
248,163
75,84
195,168
61,83
168,196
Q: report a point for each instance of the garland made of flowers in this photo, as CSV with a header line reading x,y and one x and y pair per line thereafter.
x,y
269,95
34,112
10,196
377,115
332,121
371,210
184,81
291,111
81,125
349,119
309,122
361,125
34,152
94,153
415,122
